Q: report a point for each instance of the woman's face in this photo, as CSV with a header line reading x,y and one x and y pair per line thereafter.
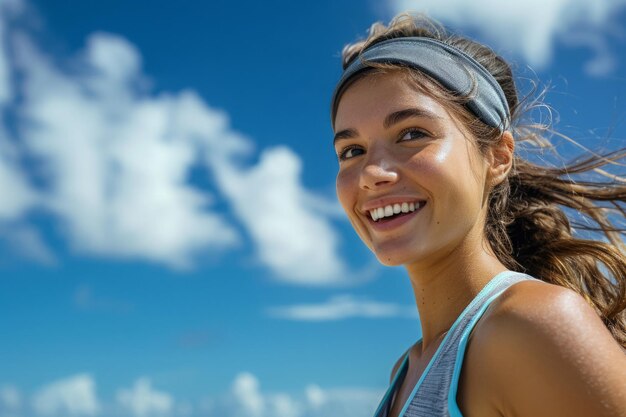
x,y
410,179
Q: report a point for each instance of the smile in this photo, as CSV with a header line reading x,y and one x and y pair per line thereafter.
x,y
393,210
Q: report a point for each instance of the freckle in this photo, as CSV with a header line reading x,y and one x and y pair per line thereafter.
x,y
437,222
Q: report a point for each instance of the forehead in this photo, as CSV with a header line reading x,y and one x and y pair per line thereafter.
x,y
376,95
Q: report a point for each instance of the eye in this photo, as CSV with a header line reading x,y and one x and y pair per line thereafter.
x,y
350,152
412,134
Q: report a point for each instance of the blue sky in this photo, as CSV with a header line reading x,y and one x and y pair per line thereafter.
x,y
170,240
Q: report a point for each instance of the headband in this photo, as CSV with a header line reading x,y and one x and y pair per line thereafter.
x,y
453,68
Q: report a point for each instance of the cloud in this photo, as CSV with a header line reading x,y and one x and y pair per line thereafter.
x,y
291,236
143,401
604,62
24,241
12,179
246,399
75,396
114,58
246,392
72,396
5,82
118,160
13,183
10,399
530,28
113,164
315,396
342,307
184,409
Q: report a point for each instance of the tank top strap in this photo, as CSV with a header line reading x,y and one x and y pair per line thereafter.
x,y
463,334
385,404
434,394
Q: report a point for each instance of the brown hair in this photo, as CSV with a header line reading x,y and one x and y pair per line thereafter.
x,y
526,224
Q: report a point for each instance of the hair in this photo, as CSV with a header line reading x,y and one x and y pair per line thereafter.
x,y
526,225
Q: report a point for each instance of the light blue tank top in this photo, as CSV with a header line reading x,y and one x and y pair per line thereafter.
x,y
434,394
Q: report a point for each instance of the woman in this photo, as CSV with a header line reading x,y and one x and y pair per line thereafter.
x,y
518,316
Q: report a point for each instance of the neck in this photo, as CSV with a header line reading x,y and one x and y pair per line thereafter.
x,y
444,287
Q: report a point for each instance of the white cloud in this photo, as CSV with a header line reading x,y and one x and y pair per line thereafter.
x,y
72,396
246,399
26,242
10,398
184,409
13,183
292,238
315,396
116,160
346,402
284,406
114,58
604,62
245,390
249,401
142,400
12,179
530,27
5,82
342,307
75,396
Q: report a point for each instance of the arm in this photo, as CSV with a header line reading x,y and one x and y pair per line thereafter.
x,y
551,355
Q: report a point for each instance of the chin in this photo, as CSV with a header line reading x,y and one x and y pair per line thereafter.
x,y
392,259
390,262
403,253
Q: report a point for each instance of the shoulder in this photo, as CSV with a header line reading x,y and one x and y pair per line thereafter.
x,y
549,354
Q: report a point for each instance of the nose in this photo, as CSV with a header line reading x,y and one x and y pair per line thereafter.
x,y
378,171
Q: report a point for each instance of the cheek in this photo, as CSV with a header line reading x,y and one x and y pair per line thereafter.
x,y
346,190
444,173
456,178
347,184
428,167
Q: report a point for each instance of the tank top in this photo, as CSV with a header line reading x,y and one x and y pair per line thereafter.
x,y
434,394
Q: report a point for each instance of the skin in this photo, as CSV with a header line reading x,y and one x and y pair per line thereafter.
x,y
425,153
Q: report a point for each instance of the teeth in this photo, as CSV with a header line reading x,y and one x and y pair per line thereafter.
x,y
393,209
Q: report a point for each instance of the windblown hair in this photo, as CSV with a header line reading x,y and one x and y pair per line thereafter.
x,y
527,226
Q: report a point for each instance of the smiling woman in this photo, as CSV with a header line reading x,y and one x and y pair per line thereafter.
x,y
519,317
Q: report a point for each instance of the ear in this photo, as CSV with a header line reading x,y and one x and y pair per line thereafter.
x,y
500,158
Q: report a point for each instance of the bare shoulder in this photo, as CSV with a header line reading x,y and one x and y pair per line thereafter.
x,y
549,354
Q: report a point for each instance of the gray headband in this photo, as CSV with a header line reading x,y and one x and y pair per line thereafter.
x,y
454,69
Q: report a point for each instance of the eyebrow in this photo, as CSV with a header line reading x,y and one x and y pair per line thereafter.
x,y
398,116
390,120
